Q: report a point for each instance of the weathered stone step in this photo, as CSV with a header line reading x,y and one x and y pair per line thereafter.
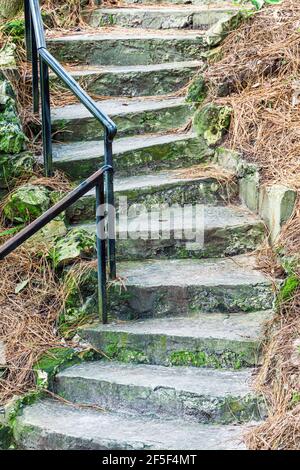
x,y
132,155
189,232
132,116
118,46
217,340
158,288
204,395
135,80
166,187
50,425
203,3
162,17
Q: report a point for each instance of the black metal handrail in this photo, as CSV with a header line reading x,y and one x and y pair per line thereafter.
x,y
94,181
102,180
42,60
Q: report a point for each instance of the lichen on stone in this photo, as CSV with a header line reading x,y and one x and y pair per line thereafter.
x,y
26,203
211,122
217,33
12,138
77,243
197,91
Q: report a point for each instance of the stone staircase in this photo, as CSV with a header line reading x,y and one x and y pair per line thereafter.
x,y
185,334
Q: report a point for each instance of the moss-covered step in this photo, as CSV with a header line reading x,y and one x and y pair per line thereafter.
x,y
188,3
165,187
116,46
132,117
217,340
176,287
134,80
156,288
204,395
132,155
162,17
187,232
50,425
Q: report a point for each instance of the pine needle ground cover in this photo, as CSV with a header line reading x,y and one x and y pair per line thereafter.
x,y
257,74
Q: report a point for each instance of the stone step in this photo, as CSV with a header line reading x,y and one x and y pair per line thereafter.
x,y
217,340
134,80
187,3
120,46
132,117
190,232
162,17
50,425
166,187
132,155
158,288
205,395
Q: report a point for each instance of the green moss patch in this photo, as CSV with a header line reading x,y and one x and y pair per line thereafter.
x,y
211,122
205,359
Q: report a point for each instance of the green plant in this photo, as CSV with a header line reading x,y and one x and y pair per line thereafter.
x,y
260,3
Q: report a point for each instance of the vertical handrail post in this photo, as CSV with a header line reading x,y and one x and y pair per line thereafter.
x,y
46,117
35,71
27,15
101,250
110,203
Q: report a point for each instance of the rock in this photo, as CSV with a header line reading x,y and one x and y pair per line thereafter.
x,y
217,33
12,138
295,358
9,8
197,91
3,360
7,56
47,235
248,174
26,203
78,243
276,205
211,122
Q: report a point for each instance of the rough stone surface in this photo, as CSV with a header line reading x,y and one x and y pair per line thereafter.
x,y
128,48
205,395
77,243
12,138
276,205
166,187
223,27
135,80
27,203
159,17
132,155
176,287
216,340
211,122
52,426
3,361
220,230
249,190
132,117
7,56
